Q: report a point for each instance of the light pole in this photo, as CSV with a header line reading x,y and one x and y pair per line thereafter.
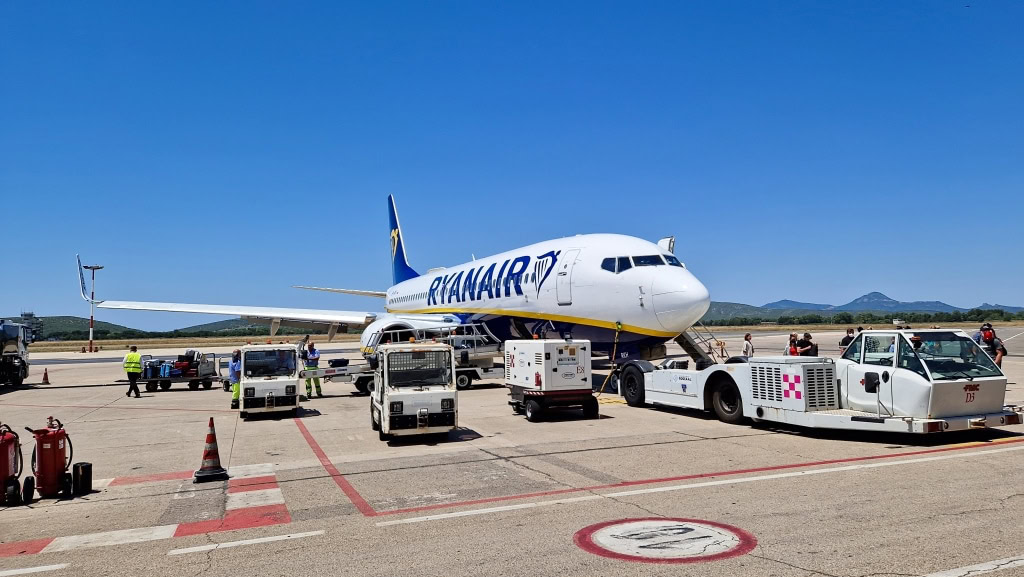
x,y
92,300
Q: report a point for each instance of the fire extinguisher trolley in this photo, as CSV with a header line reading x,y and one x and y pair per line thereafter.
x,y
51,460
11,464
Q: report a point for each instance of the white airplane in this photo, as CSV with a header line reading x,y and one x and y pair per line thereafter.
x,y
623,293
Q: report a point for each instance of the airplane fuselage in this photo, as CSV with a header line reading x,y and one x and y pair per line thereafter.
x,y
565,287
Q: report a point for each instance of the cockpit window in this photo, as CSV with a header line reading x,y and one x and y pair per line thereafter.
x,y
608,264
673,261
649,260
616,264
624,263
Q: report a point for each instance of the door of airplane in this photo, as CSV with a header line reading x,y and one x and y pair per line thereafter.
x,y
563,282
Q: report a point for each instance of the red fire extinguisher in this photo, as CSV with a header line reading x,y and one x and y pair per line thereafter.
x,y
11,465
51,460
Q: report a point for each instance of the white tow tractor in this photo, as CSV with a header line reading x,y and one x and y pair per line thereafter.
x,y
545,373
918,381
414,391
270,380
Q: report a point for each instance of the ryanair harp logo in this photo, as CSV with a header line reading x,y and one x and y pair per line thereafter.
x,y
394,242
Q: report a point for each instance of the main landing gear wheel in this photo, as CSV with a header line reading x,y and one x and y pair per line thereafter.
x,y
727,404
631,385
463,381
533,411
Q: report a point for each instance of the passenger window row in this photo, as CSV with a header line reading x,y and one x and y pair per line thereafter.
x,y
624,263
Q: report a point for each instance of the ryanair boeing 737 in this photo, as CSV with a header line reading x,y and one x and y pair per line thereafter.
x,y
622,293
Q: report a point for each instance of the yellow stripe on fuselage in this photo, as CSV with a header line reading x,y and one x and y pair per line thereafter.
x,y
540,316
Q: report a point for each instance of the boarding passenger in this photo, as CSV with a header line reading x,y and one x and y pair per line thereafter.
x,y
992,344
791,347
133,368
846,341
748,345
805,347
235,376
312,361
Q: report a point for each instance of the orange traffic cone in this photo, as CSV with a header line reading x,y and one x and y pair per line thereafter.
x,y
210,469
46,377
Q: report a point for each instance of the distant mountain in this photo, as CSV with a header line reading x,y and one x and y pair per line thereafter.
x,y
796,305
53,325
879,302
1007,308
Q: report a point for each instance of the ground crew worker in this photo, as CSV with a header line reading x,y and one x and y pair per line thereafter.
x,y
235,376
993,345
133,368
312,359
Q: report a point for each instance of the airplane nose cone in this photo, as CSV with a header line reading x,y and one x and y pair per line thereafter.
x,y
680,300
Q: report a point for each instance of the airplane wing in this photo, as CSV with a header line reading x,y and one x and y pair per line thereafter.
x,y
362,293
275,317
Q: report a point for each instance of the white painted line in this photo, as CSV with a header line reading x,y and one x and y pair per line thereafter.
x,y
27,570
110,538
260,498
981,568
213,546
1014,336
248,471
101,483
718,482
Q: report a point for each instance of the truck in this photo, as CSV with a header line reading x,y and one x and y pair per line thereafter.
x,y
269,381
898,381
14,341
475,349
544,373
195,368
414,390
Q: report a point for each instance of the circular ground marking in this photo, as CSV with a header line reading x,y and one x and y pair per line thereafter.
x,y
665,540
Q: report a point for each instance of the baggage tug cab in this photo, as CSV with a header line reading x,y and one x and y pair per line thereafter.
x,y
270,380
414,390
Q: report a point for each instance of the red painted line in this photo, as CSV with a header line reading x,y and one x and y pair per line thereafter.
x,y
690,477
584,539
24,547
119,407
252,484
340,480
174,476
238,519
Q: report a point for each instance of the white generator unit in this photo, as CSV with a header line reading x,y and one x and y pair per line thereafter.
x,y
544,373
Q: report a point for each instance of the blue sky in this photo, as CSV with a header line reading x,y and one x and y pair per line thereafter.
x,y
222,152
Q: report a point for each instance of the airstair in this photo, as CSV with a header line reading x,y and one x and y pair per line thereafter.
x,y
702,346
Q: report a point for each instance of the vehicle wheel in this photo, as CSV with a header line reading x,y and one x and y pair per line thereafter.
x,y
227,386
165,385
193,385
463,381
591,408
295,412
518,408
28,489
631,386
533,411
243,415
66,486
12,492
373,423
382,435
363,386
727,403
207,384
17,381
151,387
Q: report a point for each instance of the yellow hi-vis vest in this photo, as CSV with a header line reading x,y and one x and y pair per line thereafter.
x,y
133,363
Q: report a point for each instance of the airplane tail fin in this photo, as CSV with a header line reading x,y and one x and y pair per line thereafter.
x,y
400,269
